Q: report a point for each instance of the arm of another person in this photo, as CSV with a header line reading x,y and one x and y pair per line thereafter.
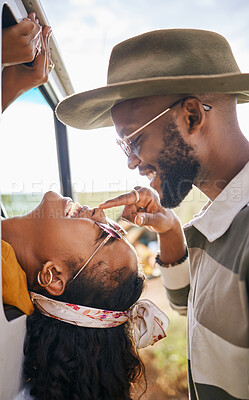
x,y
21,42
148,212
17,79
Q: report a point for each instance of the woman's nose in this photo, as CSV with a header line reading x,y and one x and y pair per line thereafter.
x,y
99,215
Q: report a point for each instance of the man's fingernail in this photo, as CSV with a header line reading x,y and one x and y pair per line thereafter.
x,y
139,219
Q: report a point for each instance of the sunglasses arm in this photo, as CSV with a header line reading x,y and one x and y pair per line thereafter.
x,y
89,259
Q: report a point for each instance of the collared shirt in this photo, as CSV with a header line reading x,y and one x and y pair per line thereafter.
x,y
216,217
216,294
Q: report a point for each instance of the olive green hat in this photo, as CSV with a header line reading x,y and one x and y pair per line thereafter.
x,y
170,61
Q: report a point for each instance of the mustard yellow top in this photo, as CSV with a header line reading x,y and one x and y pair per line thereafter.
x,y
14,281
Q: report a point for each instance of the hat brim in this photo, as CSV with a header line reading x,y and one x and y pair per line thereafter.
x,y
92,109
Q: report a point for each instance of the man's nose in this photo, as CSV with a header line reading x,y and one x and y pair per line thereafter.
x,y
133,161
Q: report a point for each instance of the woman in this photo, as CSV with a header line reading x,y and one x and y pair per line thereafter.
x,y
80,271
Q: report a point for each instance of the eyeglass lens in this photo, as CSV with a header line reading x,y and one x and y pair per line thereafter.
x,y
110,230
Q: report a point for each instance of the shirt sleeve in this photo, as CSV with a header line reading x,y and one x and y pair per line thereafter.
x,y
176,281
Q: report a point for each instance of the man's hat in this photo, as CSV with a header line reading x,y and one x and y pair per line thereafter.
x,y
170,61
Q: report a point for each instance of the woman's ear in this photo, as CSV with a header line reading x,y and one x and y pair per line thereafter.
x,y
54,277
193,114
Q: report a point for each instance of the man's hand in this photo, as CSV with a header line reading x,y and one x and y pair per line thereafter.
x,y
21,42
17,79
148,212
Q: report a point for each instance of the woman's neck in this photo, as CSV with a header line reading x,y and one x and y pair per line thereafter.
x,y
18,232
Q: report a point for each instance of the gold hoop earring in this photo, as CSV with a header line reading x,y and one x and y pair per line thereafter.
x,y
39,279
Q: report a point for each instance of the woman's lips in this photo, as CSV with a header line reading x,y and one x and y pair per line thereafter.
x,y
73,209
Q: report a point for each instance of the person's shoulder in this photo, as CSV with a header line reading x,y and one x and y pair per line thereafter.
x,y
6,250
8,255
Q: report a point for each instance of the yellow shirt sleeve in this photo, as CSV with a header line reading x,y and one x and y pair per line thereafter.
x,y
14,281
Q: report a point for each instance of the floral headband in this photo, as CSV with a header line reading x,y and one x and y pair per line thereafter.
x,y
149,322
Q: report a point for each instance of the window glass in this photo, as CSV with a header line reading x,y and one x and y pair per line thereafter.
x,y
28,162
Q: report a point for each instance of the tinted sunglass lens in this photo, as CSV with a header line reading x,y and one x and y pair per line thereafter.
x,y
116,226
108,229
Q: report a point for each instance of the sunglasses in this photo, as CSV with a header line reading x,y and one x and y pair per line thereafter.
x,y
113,230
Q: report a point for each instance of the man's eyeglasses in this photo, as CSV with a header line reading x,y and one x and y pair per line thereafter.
x,y
126,143
113,230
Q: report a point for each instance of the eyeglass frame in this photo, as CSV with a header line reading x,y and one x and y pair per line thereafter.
x,y
120,232
127,149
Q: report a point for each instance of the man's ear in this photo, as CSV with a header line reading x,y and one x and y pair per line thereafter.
x,y
193,114
57,273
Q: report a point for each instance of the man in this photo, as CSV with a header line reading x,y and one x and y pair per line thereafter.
x,y
172,97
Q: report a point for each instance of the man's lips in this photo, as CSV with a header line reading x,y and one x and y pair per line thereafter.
x,y
151,174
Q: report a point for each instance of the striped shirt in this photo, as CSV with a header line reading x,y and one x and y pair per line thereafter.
x,y
214,291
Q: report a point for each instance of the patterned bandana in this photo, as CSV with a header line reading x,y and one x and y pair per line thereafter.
x,y
148,321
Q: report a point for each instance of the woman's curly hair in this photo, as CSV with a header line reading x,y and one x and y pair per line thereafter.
x,y
66,362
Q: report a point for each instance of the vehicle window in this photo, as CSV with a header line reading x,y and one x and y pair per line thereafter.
x,y
29,156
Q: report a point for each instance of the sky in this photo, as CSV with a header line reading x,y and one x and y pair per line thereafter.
x,y
87,30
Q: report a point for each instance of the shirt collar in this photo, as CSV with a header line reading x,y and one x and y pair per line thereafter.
x,y
216,217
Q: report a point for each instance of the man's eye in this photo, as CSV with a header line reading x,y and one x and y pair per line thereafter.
x,y
134,143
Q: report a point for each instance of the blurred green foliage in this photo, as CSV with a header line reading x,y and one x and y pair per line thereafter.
x,y
166,363
170,354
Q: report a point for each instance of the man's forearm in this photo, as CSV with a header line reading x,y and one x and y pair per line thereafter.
x,y
175,279
172,244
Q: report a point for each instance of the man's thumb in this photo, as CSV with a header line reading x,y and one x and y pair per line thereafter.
x,y
143,219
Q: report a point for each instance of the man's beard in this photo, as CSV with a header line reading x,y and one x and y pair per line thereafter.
x,y
178,167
